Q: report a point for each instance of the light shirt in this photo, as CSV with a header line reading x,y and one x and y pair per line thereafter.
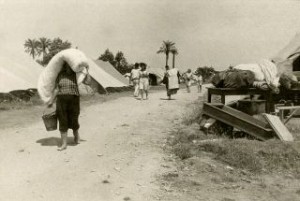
x,y
135,74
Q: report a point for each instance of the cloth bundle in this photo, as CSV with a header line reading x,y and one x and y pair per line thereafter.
x,y
264,70
233,79
76,60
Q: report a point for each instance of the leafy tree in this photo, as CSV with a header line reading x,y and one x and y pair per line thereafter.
x,y
31,46
174,53
206,72
43,46
107,56
58,45
121,63
55,47
166,48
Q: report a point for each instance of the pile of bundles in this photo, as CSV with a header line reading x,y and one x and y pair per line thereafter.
x,y
263,75
47,80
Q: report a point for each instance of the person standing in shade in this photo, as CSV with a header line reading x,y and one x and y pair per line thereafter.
x,y
67,104
135,77
144,81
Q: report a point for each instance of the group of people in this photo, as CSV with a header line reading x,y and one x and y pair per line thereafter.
x,y
140,79
189,77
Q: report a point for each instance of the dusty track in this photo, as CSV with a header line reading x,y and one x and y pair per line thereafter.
x,y
119,158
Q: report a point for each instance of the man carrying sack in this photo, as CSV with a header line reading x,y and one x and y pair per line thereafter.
x,y
66,93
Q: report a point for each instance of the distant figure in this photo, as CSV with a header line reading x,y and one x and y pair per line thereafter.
x,y
188,80
144,81
135,77
171,80
67,104
199,80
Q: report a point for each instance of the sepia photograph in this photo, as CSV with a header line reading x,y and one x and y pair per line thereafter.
x,y
149,100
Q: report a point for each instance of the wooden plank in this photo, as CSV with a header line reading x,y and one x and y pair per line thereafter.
x,y
238,120
279,128
288,107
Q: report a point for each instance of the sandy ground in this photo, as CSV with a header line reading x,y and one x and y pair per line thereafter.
x,y
119,158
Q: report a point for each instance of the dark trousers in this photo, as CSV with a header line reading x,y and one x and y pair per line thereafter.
x,y
68,109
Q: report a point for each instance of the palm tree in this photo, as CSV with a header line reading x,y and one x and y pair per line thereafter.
x,y
31,47
166,47
174,51
43,46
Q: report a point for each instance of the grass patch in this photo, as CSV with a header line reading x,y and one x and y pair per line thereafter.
x,y
255,156
193,113
251,155
235,153
183,151
273,156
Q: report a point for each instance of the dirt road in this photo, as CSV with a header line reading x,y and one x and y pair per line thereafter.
x,y
119,158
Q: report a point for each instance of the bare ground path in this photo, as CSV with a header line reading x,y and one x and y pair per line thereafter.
x,y
119,158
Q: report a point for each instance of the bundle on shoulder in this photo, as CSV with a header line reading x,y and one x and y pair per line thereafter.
x,y
75,59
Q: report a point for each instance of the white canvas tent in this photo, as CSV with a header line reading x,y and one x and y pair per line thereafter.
x,y
101,79
18,75
288,59
107,67
10,82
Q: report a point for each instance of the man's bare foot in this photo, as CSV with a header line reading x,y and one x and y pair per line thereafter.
x,y
76,137
61,148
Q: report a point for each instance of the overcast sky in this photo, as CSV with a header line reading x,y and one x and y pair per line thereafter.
x,y
211,32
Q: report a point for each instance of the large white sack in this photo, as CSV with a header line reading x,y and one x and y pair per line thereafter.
x,y
264,70
76,60
173,79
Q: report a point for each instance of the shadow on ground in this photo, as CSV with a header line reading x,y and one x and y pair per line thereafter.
x,y
55,141
167,99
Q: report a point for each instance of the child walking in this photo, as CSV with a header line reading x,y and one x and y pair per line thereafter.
x,y
188,80
134,78
199,79
144,81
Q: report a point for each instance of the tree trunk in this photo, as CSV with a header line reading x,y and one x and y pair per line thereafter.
x,y
173,61
167,58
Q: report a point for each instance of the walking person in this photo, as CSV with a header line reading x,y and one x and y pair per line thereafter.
x,y
188,76
199,80
144,81
67,104
171,80
134,77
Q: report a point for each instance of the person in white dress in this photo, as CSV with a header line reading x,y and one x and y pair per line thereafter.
x,y
144,81
171,80
135,78
199,80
